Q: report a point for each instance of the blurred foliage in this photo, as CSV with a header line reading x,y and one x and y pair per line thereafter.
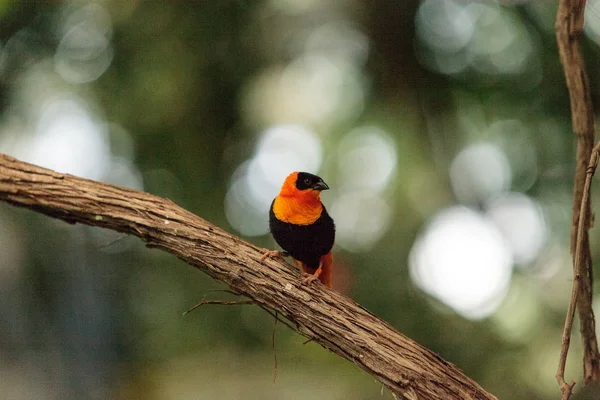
x,y
396,97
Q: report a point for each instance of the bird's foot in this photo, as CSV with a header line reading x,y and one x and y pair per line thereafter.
x,y
308,278
273,254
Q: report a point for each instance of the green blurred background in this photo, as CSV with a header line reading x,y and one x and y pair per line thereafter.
x,y
442,127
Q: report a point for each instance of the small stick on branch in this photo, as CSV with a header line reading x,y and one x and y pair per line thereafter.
x,y
569,29
567,388
219,302
274,350
331,319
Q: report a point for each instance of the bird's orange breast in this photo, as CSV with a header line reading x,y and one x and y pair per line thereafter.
x,y
298,210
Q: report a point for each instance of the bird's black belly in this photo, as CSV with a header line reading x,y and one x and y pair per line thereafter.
x,y
305,243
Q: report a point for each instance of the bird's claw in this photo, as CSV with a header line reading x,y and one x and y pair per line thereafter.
x,y
273,254
309,278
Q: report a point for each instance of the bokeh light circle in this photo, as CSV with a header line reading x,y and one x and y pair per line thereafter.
x,y
463,260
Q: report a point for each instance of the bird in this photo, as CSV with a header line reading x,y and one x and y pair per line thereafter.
x,y
300,224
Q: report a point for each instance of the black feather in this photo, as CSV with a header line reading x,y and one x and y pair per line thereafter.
x,y
305,243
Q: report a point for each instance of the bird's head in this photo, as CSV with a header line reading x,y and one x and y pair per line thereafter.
x,y
303,184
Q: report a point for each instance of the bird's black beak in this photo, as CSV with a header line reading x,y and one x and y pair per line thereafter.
x,y
320,185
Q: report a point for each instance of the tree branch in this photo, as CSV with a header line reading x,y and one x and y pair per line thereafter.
x,y
569,29
327,317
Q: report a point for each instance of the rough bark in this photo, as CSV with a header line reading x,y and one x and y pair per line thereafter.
x,y
331,319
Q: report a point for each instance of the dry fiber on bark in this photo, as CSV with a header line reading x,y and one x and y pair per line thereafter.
x,y
327,317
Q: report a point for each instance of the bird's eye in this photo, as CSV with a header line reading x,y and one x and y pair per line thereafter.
x,y
307,181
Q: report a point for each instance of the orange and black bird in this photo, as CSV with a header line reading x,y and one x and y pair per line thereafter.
x,y
302,227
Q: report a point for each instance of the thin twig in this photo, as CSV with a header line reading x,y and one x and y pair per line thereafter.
x,y
105,245
274,350
294,328
203,301
219,302
567,388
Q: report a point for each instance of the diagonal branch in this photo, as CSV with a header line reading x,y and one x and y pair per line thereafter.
x,y
327,317
569,29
